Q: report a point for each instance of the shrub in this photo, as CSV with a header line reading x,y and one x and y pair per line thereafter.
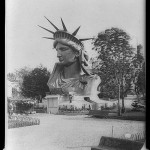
x,y
22,106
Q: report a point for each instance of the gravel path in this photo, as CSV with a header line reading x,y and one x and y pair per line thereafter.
x,y
59,132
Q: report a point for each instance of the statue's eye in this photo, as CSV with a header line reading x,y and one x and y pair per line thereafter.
x,y
64,48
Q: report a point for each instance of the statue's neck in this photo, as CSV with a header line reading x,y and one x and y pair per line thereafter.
x,y
72,71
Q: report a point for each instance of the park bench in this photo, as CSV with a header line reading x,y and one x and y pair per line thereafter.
x,y
110,143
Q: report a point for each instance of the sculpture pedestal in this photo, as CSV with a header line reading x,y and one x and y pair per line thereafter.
x,y
52,103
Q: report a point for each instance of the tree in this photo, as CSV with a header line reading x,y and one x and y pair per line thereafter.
x,y
17,77
34,84
11,77
109,90
21,73
141,82
138,63
113,62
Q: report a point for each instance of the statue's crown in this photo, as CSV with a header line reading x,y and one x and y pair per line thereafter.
x,y
65,36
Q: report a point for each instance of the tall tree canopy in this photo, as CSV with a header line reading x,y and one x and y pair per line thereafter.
x,y
17,77
11,77
35,83
141,81
113,63
138,63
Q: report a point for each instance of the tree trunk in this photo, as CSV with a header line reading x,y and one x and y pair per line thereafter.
x,y
119,112
123,107
137,93
143,93
40,98
137,97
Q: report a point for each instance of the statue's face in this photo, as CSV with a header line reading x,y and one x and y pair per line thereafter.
x,y
65,54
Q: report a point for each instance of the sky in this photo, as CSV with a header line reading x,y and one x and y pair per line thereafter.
x,y
25,45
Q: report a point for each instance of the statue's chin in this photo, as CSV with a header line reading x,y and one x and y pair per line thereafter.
x,y
66,63
61,62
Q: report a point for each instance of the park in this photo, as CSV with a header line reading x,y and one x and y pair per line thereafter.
x,y
63,132
88,91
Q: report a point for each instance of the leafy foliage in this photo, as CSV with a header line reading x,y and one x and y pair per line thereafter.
x,y
141,81
16,78
114,61
35,83
23,106
138,63
11,77
109,90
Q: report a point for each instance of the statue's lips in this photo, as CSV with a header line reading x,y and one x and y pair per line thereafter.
x,y
61,59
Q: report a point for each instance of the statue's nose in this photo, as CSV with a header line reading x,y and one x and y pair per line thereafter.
x,y
58,53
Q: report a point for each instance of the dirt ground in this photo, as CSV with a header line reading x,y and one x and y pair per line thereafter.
x,y
60,132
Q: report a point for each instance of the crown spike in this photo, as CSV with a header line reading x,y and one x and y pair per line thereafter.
x,y
75,32
86,39
48,38
52,24
46,29
65,29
